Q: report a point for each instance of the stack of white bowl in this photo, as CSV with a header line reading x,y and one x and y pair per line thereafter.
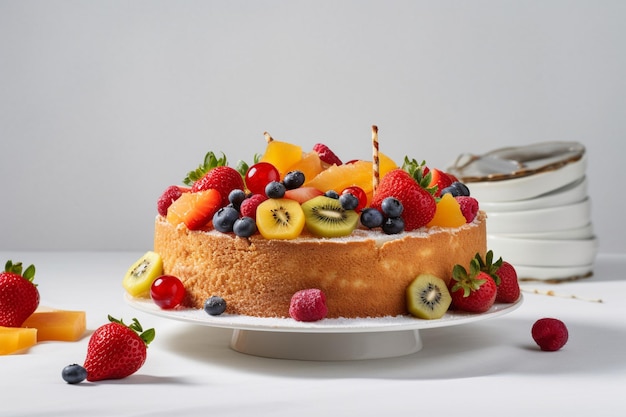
x,y
538,209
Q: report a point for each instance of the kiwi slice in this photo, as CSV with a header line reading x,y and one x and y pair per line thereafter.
x,y
142,273
325,217
279,218
427,297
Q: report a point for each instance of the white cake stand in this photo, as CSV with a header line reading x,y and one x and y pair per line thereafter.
x,y
324,340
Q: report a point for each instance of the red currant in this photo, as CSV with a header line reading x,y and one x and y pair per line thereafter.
x,y
359,194
167,291
259,175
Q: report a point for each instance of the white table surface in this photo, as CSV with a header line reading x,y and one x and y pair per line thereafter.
x,y
490,367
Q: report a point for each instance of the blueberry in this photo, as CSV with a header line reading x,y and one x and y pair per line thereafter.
x,y
393,225
293,179
332,194
215,305
392,207
275,189
236,197
457,189
371,218
244,227
74,374
224,219
348,201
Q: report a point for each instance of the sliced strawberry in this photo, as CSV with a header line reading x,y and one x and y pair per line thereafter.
x,y
439,179
326,155
302,194
195,210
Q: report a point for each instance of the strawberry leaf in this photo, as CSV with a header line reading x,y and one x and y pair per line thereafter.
x,y
420,173
210,161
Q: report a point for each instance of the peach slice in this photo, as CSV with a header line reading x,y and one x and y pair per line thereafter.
x,y
15,339
60,325
359,173
310,165
448,213
282,155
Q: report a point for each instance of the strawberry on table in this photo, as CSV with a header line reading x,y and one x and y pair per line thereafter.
x,y
19,297
474,292
116,350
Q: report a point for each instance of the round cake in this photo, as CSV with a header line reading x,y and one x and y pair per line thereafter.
x,y
358,234
363,275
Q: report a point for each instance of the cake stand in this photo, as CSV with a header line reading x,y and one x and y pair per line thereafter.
x,y
324,340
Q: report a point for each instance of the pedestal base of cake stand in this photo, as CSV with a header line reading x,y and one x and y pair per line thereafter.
x,y
326,346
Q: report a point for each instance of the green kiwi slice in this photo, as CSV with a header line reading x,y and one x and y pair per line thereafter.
x,y
325,217
427,297
142,273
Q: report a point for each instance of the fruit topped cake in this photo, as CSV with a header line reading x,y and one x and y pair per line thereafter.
x,y
302,234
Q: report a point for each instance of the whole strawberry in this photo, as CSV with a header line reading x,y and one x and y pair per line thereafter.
x,y
419,204
474,292
504,275
116,350
19,297
223,179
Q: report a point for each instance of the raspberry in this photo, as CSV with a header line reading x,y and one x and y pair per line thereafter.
x,y
249,205
326,155
550,334
469,207
166,199
308,305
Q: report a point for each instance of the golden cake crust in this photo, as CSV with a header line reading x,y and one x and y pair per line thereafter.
x,y
365,275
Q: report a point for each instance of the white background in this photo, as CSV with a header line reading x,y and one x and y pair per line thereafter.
x,y
105,103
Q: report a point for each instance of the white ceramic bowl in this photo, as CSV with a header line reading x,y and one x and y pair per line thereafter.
x,y
571,216
544,253
530,186
571,193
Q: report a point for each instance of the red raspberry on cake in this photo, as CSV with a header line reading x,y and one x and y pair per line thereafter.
x,y
326,155
171,194
249,205
469,207
308,305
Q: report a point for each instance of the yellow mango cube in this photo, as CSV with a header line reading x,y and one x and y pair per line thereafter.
x,y
15,339
59,325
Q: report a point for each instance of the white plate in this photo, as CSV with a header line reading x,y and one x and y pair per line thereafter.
x,y
531,186
328,339
571,216
544,253
571,193
584,232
